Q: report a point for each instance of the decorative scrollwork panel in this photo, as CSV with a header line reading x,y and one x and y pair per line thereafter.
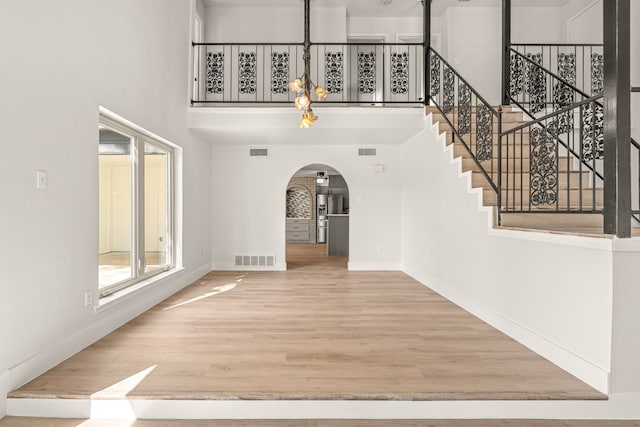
x,y
563,96
366,72
484,133
536,83
247,74
597,74
567,67
516,75
435,65
592,131
399,73
334,72
279,72
464,109
215,73
544,168
448,90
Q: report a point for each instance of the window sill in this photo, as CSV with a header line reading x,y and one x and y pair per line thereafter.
x,y
133,290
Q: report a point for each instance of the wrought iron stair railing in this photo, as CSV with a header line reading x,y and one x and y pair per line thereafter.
x,y
538,91
562,174
458,102
582,65
352,73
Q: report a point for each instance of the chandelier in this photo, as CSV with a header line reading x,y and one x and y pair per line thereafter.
x,y
303,84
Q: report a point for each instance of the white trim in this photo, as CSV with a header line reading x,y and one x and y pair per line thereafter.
x,y
618,407
373,266
596,376
4,389
368,36
105,323
114,299
124,122
577,15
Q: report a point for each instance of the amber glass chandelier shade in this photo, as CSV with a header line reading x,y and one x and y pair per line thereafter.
x,y
296,85
302,102
321,93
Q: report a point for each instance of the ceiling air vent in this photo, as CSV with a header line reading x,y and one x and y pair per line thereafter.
x,y
259,152
367,152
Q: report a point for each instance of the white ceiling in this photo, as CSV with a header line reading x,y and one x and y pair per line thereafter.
x,y
375,8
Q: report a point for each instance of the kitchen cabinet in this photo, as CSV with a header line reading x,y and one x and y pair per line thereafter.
x,y
338,235
298,229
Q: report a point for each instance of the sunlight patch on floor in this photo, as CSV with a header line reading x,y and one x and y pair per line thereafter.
x,y
122,388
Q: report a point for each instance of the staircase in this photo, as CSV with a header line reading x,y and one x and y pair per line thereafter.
x,y
574,183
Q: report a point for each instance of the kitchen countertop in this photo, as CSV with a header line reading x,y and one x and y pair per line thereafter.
x,y
338,215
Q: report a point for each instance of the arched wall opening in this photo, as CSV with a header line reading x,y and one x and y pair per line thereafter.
x,y
317,218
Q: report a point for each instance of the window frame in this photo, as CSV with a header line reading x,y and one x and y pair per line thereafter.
x,y
139,138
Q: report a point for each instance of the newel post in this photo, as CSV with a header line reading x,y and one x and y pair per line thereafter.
x,y
426,41
506,46
617,118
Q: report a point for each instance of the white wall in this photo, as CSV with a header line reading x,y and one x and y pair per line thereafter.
x,y
553,296
473,47
625,372
472,40
583,21
537,25
390,27
274,24
67,63
248,203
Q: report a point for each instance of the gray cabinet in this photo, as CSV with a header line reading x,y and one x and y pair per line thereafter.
x,y
338,235
298,229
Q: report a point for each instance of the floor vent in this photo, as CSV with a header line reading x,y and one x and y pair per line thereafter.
x,y
259,152
367,152
255,260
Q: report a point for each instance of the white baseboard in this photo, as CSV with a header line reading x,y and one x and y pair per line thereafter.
x,y
229,266
105,323
373,266
579,367
618,407
4,389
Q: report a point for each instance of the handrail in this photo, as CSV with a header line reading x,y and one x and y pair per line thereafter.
x,y
558,44
484,101
302,44
572,87
455,131
555,113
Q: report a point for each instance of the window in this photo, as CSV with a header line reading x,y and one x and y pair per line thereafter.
x,y
136,231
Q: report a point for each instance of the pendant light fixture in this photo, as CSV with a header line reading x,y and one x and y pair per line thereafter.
x,y
303,84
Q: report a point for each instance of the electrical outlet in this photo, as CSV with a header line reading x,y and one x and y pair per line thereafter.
x,y
88,298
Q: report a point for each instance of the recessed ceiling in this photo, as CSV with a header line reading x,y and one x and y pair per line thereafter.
x,y
375,8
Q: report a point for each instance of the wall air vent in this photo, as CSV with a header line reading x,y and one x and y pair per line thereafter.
x,y
367,152
259,152
255,260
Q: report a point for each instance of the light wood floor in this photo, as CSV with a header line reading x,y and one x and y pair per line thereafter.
x,y
50,422
317,331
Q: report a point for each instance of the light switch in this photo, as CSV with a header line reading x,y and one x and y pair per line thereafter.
x,y
42,180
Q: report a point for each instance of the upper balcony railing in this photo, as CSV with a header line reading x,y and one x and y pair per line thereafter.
x,y
259,73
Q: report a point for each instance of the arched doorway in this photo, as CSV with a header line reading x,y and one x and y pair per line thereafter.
x,y
317,219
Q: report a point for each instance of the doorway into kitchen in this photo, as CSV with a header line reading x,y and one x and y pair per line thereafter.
x,y
317,219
